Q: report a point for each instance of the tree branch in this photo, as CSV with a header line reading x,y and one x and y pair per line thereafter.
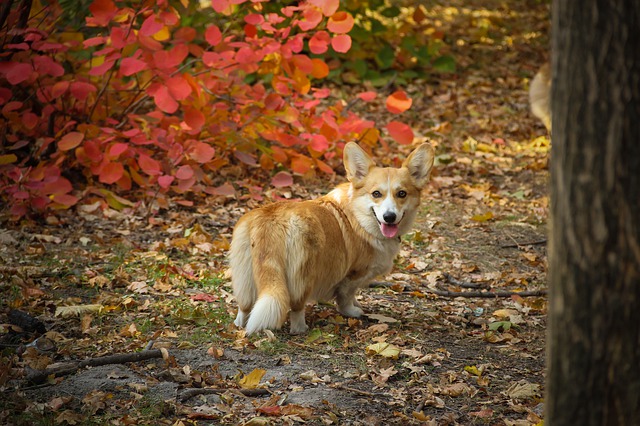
x,y
190,393
64,369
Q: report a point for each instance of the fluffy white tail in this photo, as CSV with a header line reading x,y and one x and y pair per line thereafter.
x,y
266,314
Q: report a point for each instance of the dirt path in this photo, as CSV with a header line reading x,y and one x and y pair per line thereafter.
x,y
119,284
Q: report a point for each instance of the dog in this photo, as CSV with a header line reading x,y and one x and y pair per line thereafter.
x,y
540,95
288,253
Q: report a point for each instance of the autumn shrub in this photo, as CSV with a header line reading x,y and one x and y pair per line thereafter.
x,y
148,98
393,39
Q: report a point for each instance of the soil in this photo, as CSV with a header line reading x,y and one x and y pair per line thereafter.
x,y
451,360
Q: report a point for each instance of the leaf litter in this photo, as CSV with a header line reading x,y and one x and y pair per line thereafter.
x,y
105,282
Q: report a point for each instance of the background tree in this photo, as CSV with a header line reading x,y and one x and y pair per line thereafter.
x,y
594,315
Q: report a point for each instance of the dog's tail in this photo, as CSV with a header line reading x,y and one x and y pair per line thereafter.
x,y
540,95
269,274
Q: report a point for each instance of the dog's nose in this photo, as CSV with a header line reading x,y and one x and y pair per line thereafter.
x,y
389,217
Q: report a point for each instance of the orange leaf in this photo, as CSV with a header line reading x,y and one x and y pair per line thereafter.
x,y
320,68
194,119
398,102
400,132
165,181
329,7
102,11
319,43
367,96
130,66
201,152
70,141
301,164
324,166
59,88
165,101
81,90
178,87
149,165
150,26
213,35
111,173
184,172
341,43
340,23
311,18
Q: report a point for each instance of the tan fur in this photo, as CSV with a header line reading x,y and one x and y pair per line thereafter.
x,y
540,95
285,254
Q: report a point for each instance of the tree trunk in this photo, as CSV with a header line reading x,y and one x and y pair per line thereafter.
x,y
593,353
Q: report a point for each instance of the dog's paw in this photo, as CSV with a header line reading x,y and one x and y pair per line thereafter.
x,y
351,311
298,325
241,319
299,329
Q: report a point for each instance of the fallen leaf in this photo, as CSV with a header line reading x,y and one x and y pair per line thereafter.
x,y
523,390
252,380
77,310
384,349
381,318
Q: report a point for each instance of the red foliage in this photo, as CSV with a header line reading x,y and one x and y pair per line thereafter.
x,y
151,104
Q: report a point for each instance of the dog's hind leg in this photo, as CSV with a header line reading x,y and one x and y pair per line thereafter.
x,y
240,260
346,298
269,259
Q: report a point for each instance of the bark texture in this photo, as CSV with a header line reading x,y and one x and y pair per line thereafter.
x,y
593,354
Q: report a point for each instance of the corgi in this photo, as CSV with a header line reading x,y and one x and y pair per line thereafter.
x,y
540,95
286,254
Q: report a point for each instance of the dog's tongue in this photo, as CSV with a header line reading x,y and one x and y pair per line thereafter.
x,y
388,230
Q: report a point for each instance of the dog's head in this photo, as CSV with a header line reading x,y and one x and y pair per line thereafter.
x,y
385,199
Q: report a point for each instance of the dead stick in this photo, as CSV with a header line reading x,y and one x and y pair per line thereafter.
x,y
487,294
459,283
354,390
530,243
190,393
39,376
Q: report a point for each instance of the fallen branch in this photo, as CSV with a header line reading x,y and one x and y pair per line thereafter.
x,y
190,393
486,294
356,391
530,243
463,284
64,369
446,293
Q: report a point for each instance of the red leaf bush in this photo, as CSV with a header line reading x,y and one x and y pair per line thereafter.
x,y
142,101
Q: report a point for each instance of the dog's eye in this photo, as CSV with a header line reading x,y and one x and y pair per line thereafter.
x,y
376,194
401,194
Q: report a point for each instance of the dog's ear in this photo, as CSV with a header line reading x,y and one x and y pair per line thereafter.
x,y
356,162
419,163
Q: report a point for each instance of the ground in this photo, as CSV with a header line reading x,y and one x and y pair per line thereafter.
x,y
104,283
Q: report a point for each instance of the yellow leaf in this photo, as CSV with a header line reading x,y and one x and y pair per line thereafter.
x,y
252,380
77,310
8,159
370,137
504,313
472,369
384,349
163,34
482,217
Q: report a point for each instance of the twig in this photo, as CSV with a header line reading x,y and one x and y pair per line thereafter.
x,y
39,376
463,284
190,393
354,390
530,243
487,294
